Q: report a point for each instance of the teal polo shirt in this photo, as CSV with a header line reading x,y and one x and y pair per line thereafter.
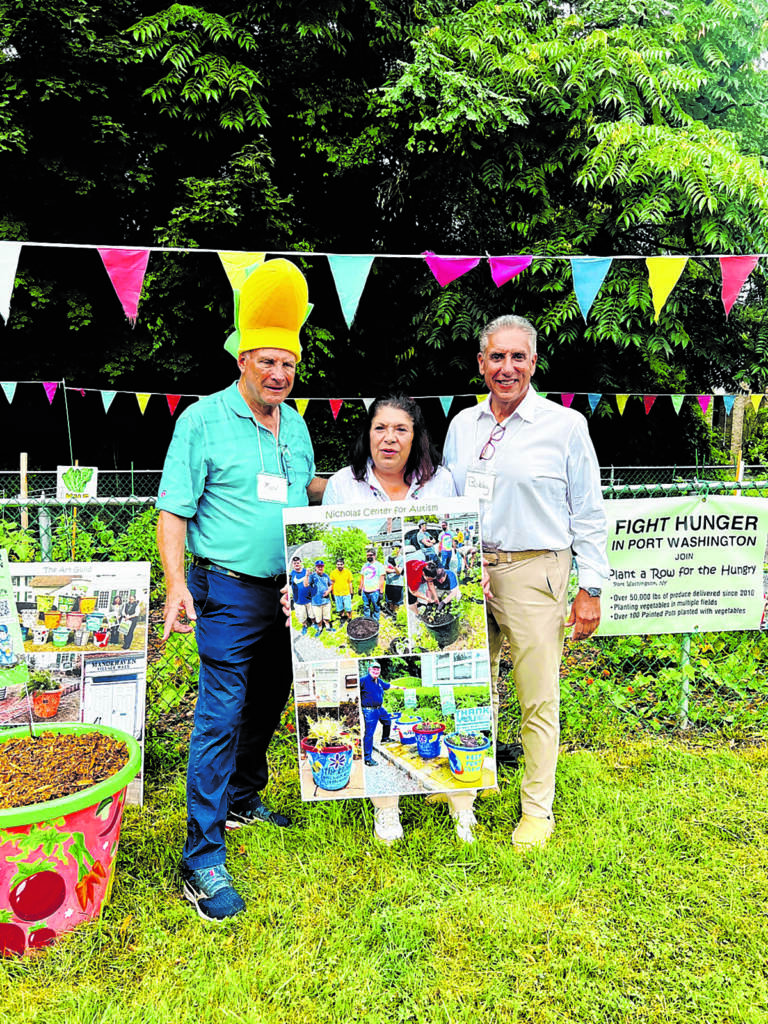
x,y
210,479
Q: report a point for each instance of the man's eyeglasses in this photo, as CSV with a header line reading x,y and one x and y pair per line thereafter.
x,y
489,448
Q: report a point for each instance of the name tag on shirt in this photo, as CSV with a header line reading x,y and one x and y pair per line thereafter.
x,y
479,484
270,487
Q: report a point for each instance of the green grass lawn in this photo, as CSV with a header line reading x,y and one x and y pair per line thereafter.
x,y
648,905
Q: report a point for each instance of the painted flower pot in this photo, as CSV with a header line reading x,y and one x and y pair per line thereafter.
x,y
405,727
26,632
57,859
428,741
52,619
29,617
87,604
61,636
74,620
81,637
94,620
44,602
466,763
67,602
101,638
45,703
40,635
331,767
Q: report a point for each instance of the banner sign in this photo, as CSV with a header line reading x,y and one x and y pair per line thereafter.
x,y
684,565
386,615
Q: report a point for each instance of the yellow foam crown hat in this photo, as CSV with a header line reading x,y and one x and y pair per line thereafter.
x,y
272,307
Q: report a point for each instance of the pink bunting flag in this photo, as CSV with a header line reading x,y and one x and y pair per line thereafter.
x,y
704,401
648,401
80,390
448,268
173,401
567,398
504,268
335,405
126,269
735,271
50,389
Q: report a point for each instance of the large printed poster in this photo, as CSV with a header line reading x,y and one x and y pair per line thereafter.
x,y
390,649
685,565
82,640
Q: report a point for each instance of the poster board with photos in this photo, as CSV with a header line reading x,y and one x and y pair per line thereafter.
x,y
390,649
84,625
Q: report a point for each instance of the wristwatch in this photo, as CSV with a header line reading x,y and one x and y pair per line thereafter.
x,y
593,591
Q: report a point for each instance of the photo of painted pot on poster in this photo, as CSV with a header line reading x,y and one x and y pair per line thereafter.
x,y
406,713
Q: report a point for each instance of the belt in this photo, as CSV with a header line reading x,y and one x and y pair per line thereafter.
x,y
495,557
278,580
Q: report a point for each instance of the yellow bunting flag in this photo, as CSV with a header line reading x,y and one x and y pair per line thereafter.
x,y
142,398
621,401
755,400
236,265
301,405
663,274
480,398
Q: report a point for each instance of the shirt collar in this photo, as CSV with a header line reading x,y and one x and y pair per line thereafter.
x,y
526,410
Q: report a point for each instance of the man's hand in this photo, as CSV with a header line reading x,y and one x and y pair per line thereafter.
x,y
487,582
285,601
178,606
585,615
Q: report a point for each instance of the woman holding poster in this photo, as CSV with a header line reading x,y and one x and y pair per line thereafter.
x,y
393,459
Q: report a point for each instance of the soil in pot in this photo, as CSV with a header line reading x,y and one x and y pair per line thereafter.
x,y
362,629
45,767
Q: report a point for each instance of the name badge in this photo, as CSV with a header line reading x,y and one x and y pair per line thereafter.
x,y
479,484
271,487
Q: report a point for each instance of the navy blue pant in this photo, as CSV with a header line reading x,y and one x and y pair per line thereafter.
x,y
372,718
245,679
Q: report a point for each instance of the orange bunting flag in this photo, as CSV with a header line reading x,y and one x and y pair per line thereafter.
x,y
301,405
648,401
663,274
173,401
621,401
335,405
142,397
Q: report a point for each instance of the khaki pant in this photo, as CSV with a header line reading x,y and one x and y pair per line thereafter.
x,y
529,609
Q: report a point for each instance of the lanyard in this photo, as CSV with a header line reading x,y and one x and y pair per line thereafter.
x,y
281,471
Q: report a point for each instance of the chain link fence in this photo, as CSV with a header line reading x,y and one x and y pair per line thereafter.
x,y
701,683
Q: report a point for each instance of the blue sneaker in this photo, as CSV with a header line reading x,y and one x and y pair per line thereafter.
x,y
211,893
254,813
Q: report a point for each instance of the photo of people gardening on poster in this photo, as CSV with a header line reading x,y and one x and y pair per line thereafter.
x,y
346,580
443,570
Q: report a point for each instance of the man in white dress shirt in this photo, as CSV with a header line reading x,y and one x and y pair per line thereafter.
x,y
533,467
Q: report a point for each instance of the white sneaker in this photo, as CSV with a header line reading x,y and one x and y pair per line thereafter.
x,y
465,822
386,824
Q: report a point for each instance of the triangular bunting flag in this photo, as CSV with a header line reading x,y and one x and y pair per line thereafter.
x,y
9,261
648,401
368,402
663,274
445,401
704,401
735,271
142,397
588,274
173,401
9,389
593,398
301,405
677,401
350,274
480,398
542,394
728,401
567,399
335,405
50,389
504,268
755,400
238,265
448,268
621,401
126,269
107,397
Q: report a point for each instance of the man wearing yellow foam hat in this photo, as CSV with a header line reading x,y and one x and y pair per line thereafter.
x,y
237,458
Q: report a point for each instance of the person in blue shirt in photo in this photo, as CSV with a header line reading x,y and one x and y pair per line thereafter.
x,y
447,585
320,588
372,688
301,593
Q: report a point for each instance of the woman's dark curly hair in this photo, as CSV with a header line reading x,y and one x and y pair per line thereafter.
x,y
423,458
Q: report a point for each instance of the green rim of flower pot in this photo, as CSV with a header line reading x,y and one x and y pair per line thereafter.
x,y
33,813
